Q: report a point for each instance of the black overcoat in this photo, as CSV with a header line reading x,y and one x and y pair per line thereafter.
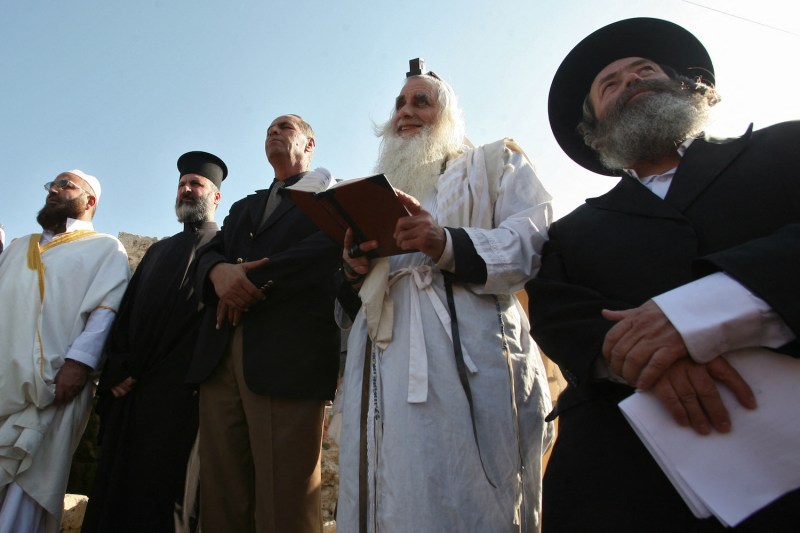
x,y
733,206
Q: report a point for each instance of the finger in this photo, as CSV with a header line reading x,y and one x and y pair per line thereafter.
x,y
409,202
236,316
668,397
222,313
688,396
652,369
636,358
709,398
348,238
232,315
618,341
250,265
404,226
721,370
616,316
357,251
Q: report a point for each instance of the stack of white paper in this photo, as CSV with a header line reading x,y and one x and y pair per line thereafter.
x,y
735,474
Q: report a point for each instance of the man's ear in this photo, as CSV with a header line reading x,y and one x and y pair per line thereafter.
x,y
217,198
91,201
311,144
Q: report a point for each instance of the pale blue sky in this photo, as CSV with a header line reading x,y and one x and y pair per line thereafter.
x,y
121,89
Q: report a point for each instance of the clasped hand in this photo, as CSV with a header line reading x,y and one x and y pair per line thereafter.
x,y
646,350
235,291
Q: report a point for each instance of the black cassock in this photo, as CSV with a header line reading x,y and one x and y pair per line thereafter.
x,y
146,436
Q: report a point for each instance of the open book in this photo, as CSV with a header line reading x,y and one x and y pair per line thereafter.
x,y
369,206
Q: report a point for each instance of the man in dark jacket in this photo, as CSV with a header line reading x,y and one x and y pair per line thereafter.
x,y
693,254
267,356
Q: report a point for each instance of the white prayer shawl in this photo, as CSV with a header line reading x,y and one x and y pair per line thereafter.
x,y
424,472
46,296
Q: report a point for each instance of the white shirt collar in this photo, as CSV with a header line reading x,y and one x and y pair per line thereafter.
x,y
72,225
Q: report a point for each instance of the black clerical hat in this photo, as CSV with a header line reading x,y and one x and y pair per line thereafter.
x,y
655,39
207,165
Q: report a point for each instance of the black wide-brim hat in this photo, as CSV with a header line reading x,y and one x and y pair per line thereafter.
x,y
205,164
655,39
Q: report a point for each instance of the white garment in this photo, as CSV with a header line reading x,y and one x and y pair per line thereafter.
x,y
88,347
424,470
46,296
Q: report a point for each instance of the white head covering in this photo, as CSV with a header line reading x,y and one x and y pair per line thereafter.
x,y
93,182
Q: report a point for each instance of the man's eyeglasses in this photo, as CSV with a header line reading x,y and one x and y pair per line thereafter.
x,y
65,184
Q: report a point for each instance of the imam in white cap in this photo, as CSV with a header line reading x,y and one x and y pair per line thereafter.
x,y
93,182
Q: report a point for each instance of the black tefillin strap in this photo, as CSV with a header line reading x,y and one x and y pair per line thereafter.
x,y
462,366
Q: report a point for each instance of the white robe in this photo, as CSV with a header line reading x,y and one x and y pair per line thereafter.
x,y
424,469
46,296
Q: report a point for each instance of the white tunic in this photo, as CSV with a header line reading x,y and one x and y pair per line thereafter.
x,y
424,468
46,296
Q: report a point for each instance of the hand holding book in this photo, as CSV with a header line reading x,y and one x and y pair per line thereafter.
x,y
369,206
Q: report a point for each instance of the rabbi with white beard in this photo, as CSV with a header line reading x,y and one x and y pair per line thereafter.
x,y
444,393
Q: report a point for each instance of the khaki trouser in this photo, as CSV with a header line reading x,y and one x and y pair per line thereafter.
x,y
259,456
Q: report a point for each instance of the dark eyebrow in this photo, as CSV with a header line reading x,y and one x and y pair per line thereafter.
x,y
282,124
612,74
421,98
418,99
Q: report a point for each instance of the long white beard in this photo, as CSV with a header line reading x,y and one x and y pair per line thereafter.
x,y
413,164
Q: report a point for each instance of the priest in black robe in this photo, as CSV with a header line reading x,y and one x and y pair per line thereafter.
x,y
149,415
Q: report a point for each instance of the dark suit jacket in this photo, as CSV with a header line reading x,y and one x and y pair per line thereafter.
x,y
290,340
732,206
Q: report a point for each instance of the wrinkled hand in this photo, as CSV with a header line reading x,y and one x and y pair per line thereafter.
x,y
235,291
419,231
123,387
70,380
689,392
642,345
359,265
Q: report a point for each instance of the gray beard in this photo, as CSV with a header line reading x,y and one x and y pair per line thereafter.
x,y
650,127
413,164
195,213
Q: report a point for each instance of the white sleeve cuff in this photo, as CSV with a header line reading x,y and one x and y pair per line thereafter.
x,y
87,348
716,314
448,260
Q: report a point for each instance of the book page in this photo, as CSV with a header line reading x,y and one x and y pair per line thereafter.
x,y
314,181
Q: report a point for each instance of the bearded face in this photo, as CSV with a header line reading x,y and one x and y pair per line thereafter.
x,y
651,125
56,210
413,163
192,209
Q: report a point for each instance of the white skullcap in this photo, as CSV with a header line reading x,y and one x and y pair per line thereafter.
x,y
93,182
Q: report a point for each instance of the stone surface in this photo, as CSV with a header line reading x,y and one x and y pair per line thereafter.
x,y
74,507
136,246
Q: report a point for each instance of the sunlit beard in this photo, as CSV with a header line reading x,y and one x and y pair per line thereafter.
x,y
413,164
649,127
52,216
197,212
